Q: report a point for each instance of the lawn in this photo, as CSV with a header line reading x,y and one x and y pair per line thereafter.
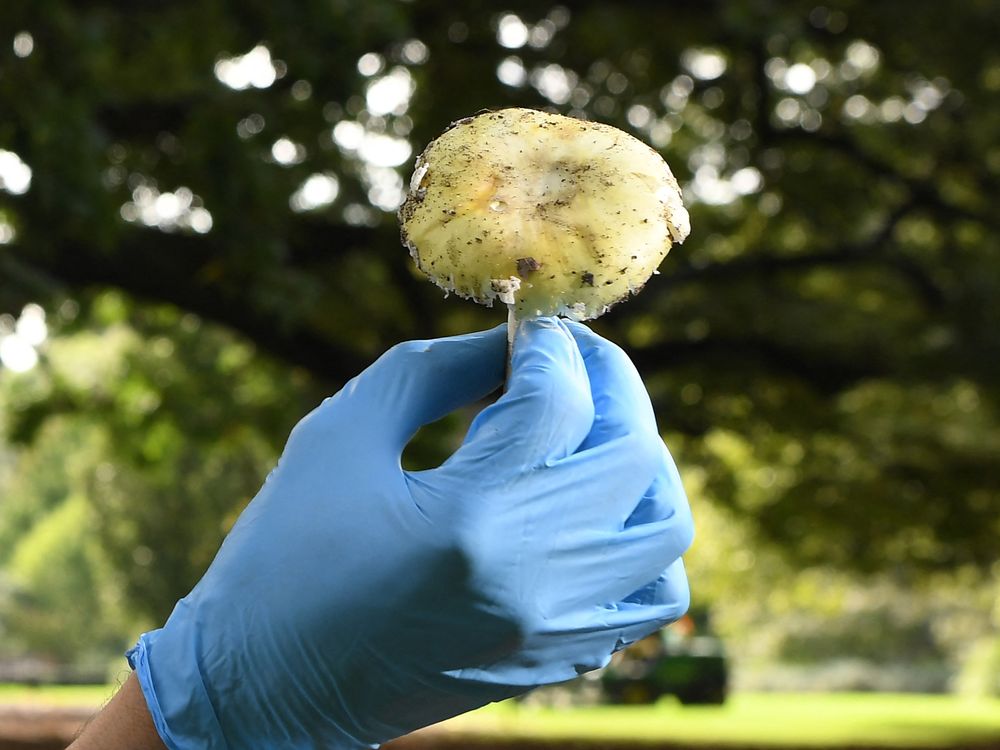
x,y
837,719
75,696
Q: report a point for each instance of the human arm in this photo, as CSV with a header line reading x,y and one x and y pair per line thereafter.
x,y
123,723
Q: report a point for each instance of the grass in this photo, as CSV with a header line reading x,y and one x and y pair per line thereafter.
x,y
82,696
821,719
830,720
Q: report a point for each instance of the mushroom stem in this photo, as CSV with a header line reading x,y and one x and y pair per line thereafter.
x,y
511,333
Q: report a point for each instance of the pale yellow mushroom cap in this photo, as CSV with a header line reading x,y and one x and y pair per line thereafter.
x,y
554,215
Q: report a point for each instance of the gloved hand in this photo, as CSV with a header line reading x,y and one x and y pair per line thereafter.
x,y
353,601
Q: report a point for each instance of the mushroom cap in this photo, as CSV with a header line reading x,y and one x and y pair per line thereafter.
x,y
550,214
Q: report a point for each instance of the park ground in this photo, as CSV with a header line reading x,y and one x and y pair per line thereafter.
x,y
45,718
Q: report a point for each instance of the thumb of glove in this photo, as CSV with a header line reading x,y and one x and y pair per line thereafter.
x,y
418,382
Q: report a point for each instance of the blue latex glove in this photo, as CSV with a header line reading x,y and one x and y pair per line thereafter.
x,y
353,601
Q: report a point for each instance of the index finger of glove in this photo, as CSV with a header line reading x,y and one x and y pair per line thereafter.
x,y
546,412
621,404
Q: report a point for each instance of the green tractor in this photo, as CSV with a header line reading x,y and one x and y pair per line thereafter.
x,y
675,661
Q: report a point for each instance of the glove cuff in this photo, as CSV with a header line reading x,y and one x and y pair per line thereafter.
x,y
167,663
181,709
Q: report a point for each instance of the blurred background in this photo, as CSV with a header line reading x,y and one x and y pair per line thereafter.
x,y
198,243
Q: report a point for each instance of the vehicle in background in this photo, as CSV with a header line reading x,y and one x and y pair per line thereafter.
x,y
678,661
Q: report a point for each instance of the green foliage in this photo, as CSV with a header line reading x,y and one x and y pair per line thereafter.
x,y
66,602
980,675
823,627
42,478
170,428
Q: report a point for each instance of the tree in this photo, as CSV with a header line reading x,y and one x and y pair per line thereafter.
x,y
164,462
66,603
822,347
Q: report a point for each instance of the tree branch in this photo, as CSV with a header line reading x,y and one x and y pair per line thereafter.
x,y
923,192
171,268
868,252
734,353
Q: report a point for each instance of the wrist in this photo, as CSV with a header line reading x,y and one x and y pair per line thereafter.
x,y
124,723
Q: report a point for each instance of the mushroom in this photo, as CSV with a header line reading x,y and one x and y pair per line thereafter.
x,y
551,215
